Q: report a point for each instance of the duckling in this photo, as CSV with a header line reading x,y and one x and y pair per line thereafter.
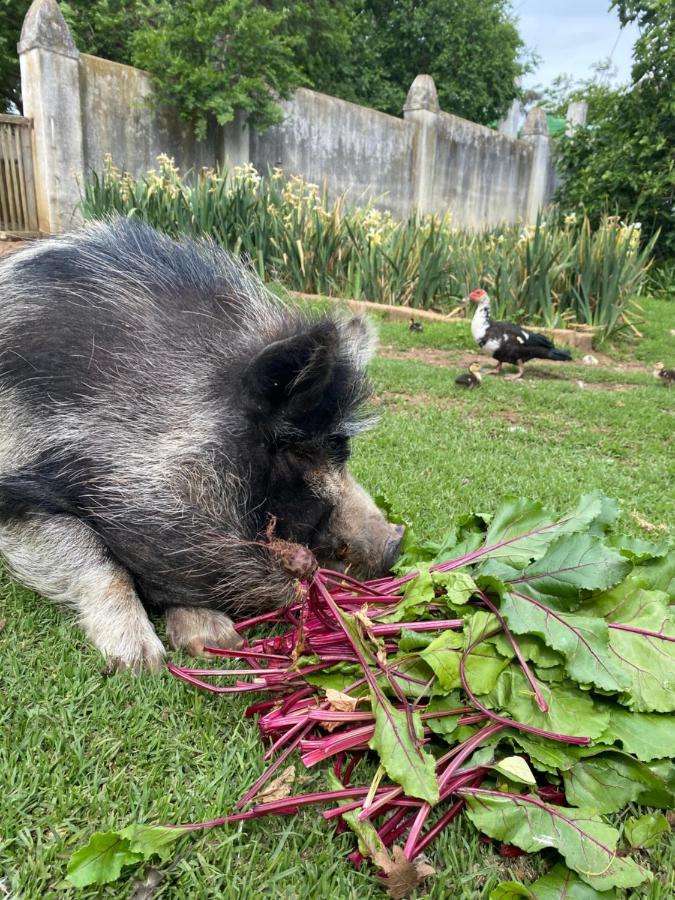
x,y
470,379
667,376
415,326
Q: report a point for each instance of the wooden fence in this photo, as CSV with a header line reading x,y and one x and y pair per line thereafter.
x,y
18,210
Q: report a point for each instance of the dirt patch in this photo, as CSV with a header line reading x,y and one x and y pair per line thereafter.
x,y
459,360
7,247
422,354
453,359
511,416
611,386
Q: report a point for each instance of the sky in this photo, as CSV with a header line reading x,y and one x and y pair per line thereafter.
x,y
571,35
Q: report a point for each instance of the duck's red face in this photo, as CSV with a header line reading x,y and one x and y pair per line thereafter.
x,y
477,296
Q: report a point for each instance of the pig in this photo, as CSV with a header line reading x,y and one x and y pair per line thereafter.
x,y
161,414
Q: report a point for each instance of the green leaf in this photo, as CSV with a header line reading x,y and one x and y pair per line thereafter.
x,y
646,735
627,602
586,842
402,757
546,755
650,664
417,595
412,676
558,884
637,549
511,890
445,725
583,641
573,563
369,841
514,520
444,654
571,711
533,649
516,769
518,518
152,840
459,586
609,781
645,831
101,860
409,641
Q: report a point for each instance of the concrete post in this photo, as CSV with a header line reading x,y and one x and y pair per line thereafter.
x,y
50,86
237,141
576,115
535,133
510,124
421,109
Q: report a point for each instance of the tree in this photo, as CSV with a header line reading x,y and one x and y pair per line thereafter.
x,y
622,160
12,13
211,57
471,48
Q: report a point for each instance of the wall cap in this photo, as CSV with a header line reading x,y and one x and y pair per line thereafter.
x,y
44,27
422,95
535,123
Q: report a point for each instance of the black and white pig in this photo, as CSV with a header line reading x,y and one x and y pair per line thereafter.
x,y
158,409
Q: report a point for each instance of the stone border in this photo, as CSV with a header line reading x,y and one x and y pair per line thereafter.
x,y
580,337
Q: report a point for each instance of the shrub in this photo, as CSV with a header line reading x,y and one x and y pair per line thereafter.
x,y
557,271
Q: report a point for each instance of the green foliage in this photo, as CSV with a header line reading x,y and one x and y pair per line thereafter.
x,y
471,48
622,161
645,831
586,842
550,273
558,884
211,57
12,13
568,723
103,858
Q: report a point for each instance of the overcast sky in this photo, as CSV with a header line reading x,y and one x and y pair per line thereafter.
x,y
571,35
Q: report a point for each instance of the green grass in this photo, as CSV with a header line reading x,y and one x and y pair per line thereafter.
x,y
83,752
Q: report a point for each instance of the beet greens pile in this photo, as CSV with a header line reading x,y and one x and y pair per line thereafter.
x,y
521,672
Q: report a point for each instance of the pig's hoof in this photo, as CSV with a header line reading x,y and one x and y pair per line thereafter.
x,y
144,655
191,628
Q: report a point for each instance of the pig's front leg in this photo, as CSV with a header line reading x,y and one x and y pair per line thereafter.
x,y
64,560
191,628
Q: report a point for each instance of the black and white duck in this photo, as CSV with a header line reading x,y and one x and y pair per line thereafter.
x,y
507,342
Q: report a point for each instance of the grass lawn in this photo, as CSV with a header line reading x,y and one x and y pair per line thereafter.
x,y
81,752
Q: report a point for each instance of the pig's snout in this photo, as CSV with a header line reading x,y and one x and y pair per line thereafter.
x,y
393,548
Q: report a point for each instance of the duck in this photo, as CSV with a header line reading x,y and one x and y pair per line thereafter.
x,y
508,342
470,379
667,376
415,326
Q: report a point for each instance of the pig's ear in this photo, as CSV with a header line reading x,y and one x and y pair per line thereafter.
x,y
292,375
360,339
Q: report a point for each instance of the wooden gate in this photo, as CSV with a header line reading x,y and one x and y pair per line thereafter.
x,y
18,210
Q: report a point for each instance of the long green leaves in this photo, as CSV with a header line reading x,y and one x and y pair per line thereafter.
x,y
550,273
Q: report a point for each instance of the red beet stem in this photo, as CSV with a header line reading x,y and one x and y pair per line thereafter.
x,y
267,774
510,723
539,697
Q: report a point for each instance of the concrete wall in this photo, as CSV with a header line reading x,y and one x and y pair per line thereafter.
x,y
359,151
482,176
118,117
428,161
